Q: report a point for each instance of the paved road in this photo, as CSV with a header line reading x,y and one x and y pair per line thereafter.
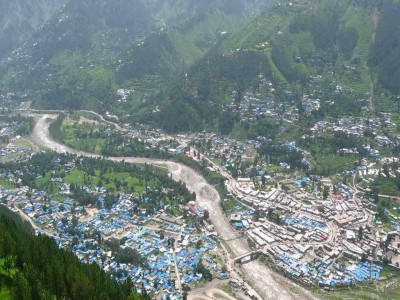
x,y
267,283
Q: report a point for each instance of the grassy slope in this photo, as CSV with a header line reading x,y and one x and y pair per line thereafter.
x,y
72,48
274,29
385,64
387,289
361,21
77,177
272,36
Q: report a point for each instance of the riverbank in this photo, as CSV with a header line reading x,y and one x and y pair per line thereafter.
x,y
267,283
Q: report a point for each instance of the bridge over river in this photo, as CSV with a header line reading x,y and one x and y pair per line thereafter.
x,y
267,283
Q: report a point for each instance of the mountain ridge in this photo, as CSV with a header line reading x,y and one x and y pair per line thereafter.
x,y
201,55
96,33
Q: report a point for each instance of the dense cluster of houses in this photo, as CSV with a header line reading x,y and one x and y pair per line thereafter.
x,y
12,148
253,106
332,242
229,151
87,231
357,127
321,266
303,245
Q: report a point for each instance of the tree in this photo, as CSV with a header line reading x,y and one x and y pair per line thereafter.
x,y
128,255
360,233
21,289
257,215
363,257
270,213
199,244
8,265
334,189
277,219
56,275
162,235
206,214
253,173
325,193
74,221
200,269
388,240
375,193
386,260
263,180
99,184
184,295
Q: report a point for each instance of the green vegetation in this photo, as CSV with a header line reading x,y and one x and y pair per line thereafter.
x,y
144,182
197,102
100,139
86,136
229,204
78,62
387,289
33,267
20,19
200,269
182,77
385,52
332,164
326,155
287,45
388,182
388,186
22,125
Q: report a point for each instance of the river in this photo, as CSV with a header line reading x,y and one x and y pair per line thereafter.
x,y
267,283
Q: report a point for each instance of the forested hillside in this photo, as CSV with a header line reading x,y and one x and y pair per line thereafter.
x,y
385,53
33,267
196,101
91,48
180,64
19,19
345,50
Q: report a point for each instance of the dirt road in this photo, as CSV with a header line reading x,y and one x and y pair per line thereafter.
x,y
267,283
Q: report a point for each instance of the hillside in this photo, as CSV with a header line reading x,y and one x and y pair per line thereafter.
x,y
19,19
180,65
90,49
344,53
33,267
385,53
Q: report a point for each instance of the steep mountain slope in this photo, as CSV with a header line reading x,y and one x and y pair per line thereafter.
x,y
343,53
92,47
19,19
33,267
182,63
385,53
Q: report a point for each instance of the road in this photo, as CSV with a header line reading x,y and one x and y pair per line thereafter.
x,y
178,275
102,119
34,226
268,284
211,292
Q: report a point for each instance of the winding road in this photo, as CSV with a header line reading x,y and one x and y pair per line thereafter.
x,y
268,284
